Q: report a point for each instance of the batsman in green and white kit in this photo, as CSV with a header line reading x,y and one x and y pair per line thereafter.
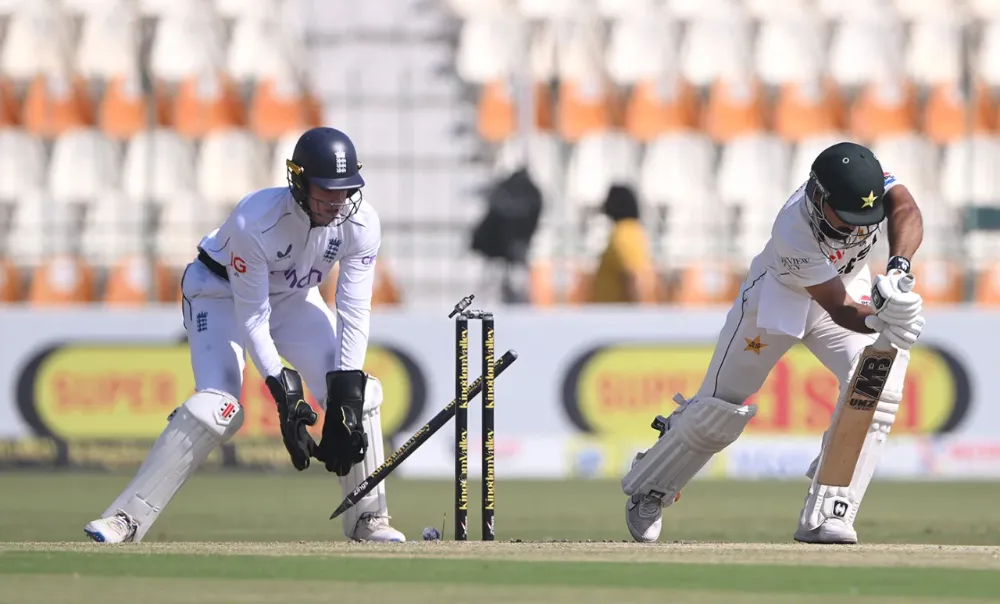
x,y
810,284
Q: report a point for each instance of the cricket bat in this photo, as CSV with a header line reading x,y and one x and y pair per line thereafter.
x,y
854,415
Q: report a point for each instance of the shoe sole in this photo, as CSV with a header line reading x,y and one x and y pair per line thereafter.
x,y
815,541
94,536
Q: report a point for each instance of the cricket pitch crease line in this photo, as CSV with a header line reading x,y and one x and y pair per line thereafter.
x,y
931,556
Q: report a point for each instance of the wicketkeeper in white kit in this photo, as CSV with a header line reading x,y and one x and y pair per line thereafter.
x,y
254,286
810,284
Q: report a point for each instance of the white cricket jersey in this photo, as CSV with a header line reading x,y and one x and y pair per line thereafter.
x,y
269,249
794,256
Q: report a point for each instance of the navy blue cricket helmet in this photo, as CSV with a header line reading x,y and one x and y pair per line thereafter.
x,y
325,158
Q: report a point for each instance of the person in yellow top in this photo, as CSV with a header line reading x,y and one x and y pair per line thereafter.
x,y
624,274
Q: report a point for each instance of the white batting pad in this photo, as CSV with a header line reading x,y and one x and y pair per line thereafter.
x,y
695,432
374,502
203,422
823,501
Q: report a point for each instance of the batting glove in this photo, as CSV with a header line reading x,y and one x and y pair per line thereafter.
x,y
902,336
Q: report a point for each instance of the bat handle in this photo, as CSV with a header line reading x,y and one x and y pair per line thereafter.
x,y
882,343
906,283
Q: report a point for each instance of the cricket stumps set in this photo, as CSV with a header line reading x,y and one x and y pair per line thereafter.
x,y
459,407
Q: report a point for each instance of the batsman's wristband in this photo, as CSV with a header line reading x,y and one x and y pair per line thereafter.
x,y
898,263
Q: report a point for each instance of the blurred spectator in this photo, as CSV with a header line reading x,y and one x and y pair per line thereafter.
x,y
623,274
515,205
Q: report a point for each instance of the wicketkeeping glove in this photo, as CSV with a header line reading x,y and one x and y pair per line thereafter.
x,y
295,414
344,440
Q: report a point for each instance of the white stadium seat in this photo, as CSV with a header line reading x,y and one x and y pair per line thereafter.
x,y
913,160
486,50
230,164
754,167
22,162
468,9
84,163
38,40
863,50
542,155
108,42
615,9
985,9
40,227
988,56
934,53
248,9
970,171
546,9
677,168
183,222
113,228
172,170
640,47
597,162
789,48
714,47
187,42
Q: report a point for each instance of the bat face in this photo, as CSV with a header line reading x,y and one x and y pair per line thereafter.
x,y
853,419
870,378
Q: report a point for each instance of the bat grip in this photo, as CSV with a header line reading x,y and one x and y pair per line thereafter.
x,y
906,283
882,343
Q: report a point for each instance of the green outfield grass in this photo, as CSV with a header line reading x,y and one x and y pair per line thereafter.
x,y
290,507
264,538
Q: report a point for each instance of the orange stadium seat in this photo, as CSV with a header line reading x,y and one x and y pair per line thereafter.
x,y
54,104
654,108
497,111
122,112
541,279
941,282
205,102
10,282
705,283
129,283
61,280
945,119
10,108
581,285
884,109
585,107
734,109
496,118
385,293
278,107
987,291
808,109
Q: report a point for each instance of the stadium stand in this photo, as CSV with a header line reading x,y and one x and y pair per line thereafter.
x,y
131,126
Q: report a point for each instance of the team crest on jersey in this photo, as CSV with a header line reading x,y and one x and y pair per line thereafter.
x,y
754,345
332,247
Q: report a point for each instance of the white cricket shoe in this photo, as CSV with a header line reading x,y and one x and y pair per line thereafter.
x,y
376,528
644,517
119,528
644,513
833,530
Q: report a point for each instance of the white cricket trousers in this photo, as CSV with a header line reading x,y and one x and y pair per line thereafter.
x,y
741,363
303,327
